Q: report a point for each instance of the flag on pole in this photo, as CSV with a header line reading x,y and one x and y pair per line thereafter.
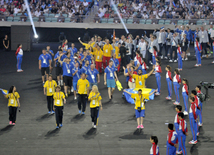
x,y
4,92
173,4
114,37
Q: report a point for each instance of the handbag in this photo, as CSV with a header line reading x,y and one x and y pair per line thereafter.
x,y
139,109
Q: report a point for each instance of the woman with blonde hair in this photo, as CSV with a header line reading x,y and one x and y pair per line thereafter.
x,y
95,103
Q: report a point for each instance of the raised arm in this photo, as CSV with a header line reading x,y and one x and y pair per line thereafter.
x,y
150,73
127,92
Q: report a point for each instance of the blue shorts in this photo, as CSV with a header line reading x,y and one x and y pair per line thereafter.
x,y
110,83
75,85
139,114
91,84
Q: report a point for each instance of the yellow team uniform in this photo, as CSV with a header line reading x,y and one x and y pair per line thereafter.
x,y
117,52
141,79
107,50
58,98
98,55
12,99
50,87
87,46
83,85
95,102
138,101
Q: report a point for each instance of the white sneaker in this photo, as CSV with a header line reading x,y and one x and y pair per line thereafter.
x,y
95,126
166,57
61,83
157,93
213,62
72,89
75,98
175,60
185,113
179,152
92,124
186,59
162,57
199,124
182,59
196,65
147,67
170,60
151,63
188,54
203,56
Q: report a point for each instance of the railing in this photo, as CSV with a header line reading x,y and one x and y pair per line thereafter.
x,y
154,21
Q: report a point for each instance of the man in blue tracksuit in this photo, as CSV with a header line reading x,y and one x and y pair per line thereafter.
x,y
172,140
76,72
115,62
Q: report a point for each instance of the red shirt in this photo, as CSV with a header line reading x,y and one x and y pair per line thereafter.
x,y
2,9
130,78
106,15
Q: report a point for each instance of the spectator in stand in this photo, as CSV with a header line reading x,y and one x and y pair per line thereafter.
x,y
23,18
61,18
42,17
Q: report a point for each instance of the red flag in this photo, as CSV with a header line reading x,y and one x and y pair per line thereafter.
x,y
114,37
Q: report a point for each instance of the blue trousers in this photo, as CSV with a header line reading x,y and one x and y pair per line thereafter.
x,y
198,56
170,150
19,61
199,113
193,126
158,80
180,63
153,60
177,130
182,140
169,84
185,97
176,89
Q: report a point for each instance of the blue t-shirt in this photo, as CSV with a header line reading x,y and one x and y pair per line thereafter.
x,y
127,78
66,69
76,77
84,69
115,63
51,52
73,50
72,64
110,72
45,60
88,57
62,58
92,75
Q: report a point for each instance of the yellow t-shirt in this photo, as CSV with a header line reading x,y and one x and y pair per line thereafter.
x,y
83,85
107,49
12,99
87,46
50,87
58,98
95,102
138,101
139,78
99,55
117,52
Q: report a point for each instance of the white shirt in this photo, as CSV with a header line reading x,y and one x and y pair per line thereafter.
x,y
142,46
151,50
85,3
37,13
16,10
102,10
159,38
211,32
21,52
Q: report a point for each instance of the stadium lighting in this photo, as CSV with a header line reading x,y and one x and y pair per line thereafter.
x,y
36,36
121,20
31,20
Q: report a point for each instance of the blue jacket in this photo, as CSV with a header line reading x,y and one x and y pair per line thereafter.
x,y
188,33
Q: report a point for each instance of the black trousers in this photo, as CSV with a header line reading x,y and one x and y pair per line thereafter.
x,y
12,114
94,112
58,114
168,47
82,99
128,58
204,47
123,62
149,57
50,103
174,49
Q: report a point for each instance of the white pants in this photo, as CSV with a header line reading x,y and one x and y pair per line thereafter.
x,y
143,52
131,84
